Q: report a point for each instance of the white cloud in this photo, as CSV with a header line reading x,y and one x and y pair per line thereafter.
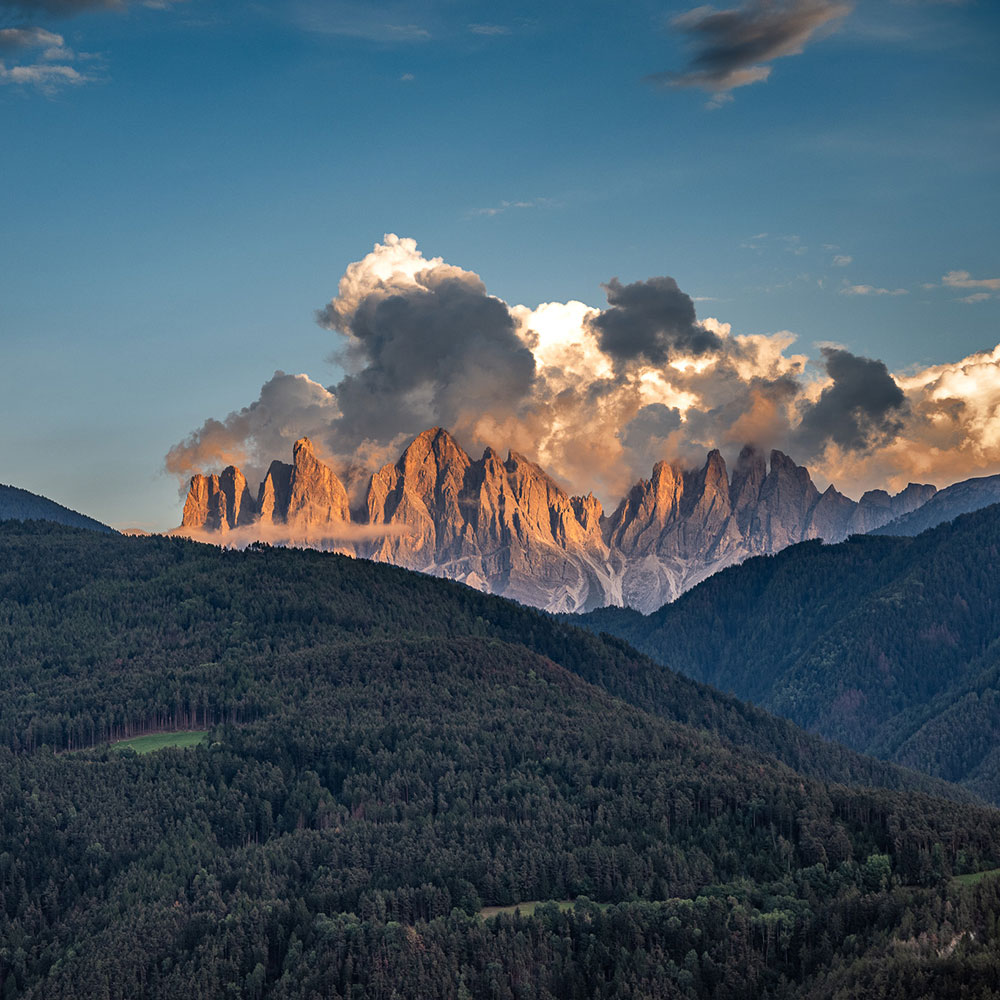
x,y
842,260
48,70
871,290
962,279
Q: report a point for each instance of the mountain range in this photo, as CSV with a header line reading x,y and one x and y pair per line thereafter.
x,y
503,525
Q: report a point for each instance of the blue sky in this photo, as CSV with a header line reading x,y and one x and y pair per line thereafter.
x,y
171,218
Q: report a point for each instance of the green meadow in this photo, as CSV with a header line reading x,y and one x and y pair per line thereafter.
x,y
160,741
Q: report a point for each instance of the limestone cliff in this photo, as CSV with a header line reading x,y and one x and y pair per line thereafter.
x,y
504,525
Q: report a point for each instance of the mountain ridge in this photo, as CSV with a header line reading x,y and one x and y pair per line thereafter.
x,y
507,527
17,504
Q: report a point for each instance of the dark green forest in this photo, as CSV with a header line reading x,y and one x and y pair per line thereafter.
x,y
389,753
889,645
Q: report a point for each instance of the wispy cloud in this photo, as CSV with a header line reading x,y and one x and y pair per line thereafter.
x,y
506,206
791,243
842,260
388,23
489,29
735,47
871,290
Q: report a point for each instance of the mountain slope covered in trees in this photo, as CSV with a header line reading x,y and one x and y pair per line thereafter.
x,y
389,753
891,645
21,505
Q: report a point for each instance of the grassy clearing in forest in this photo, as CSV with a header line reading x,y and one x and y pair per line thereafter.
x,y
159,741
974,878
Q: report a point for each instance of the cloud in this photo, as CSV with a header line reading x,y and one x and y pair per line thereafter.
x,y
652,320
733,48
60,8
871,290
506,206
70,8
289,407
962,279
387,23
596,395
489,29
12,39
859,409
842,260
49,70
339,537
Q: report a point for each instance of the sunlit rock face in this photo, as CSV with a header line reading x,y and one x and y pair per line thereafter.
x,y
505,526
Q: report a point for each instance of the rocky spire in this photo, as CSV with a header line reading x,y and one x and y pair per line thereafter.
x,y
316,497
274,494
505,525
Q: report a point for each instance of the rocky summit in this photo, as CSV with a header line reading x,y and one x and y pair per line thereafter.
x,y
505,526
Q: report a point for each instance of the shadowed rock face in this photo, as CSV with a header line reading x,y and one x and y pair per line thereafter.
x,y
505,526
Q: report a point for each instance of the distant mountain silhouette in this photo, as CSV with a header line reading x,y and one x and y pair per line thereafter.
x,y
20,505
961,498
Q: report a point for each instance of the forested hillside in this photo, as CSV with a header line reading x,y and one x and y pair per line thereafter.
x,y
389,753
20,505
891,645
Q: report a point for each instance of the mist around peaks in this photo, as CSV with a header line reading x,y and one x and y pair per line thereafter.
x,y
596,395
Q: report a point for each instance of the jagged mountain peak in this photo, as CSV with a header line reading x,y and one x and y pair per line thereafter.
x,y
507,526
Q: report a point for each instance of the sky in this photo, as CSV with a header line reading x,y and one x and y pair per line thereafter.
x,y
771,220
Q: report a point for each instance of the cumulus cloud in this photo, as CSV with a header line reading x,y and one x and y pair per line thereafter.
x,y
596,395
289,407
427,336
734,48
651,320
860,408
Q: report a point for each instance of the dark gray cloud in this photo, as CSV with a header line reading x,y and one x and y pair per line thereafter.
x,y
650,320
438,351
732,48
58,8
861,410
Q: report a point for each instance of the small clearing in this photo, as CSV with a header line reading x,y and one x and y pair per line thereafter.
x,y
160,741
975,878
